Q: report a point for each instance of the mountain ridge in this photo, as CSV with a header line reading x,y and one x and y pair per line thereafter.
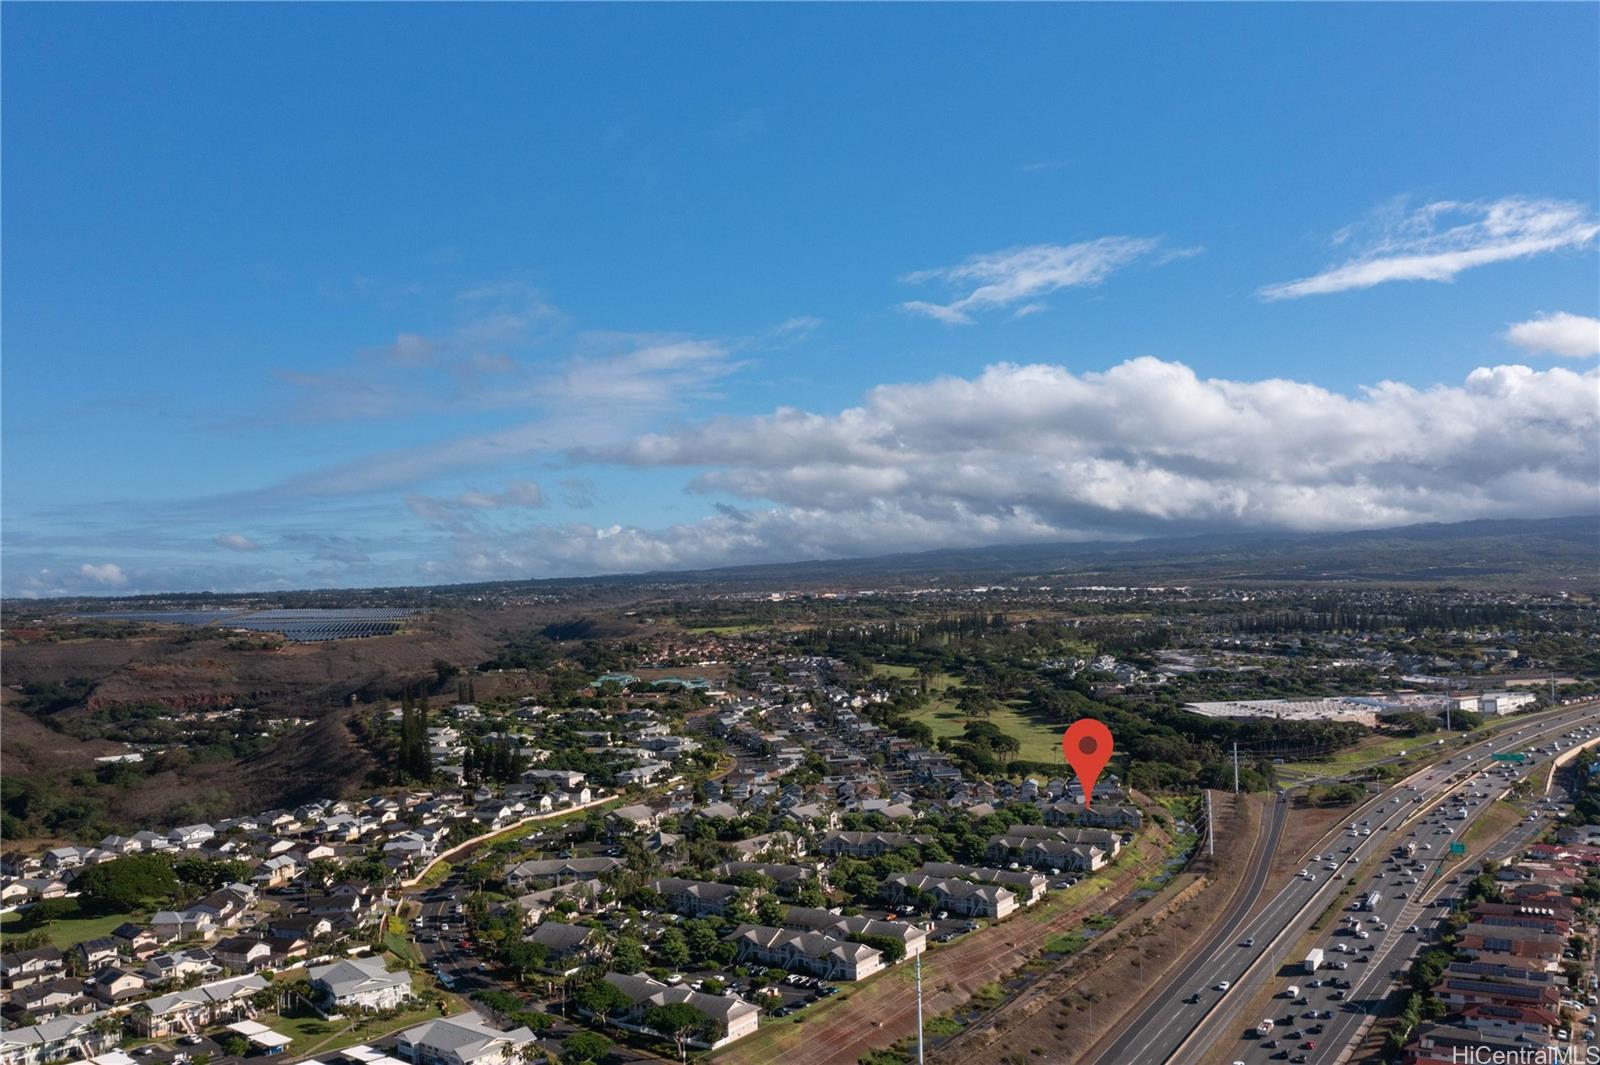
x,y
1542,550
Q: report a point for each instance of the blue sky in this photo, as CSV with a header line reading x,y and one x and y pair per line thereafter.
x,y
299,296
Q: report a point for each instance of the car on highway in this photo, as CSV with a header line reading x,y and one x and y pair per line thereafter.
x,y
1222,986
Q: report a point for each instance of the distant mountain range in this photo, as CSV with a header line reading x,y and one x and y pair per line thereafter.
x,y
1561,553
1551,554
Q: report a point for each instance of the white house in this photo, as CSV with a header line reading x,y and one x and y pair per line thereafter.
x,y
461,1040
359,982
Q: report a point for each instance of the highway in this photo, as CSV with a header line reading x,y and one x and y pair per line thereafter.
x,y
1153,1015
1342,1011
1351,1011
1198,1009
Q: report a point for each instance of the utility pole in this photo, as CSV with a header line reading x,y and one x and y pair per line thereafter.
x,y
1211,827
919,1009
1236,767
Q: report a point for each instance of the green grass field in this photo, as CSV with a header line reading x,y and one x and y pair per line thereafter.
x,y
312,1034
1041,741
1377,748
1366,753
305,1031
69,931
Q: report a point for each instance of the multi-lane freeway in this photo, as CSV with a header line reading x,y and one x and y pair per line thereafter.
x,y
1201,1008
1334,1006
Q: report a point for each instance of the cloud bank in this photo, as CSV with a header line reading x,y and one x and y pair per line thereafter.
x,y
1038,453
1016,453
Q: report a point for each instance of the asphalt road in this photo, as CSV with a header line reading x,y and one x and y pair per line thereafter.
x,y
1389,949
1154,1015
1194,1003
1378,977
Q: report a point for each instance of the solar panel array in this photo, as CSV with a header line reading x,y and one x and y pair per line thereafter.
x,y
170,617
308,625
312,625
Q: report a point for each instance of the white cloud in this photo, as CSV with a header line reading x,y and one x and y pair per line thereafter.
x,y
516,494
612,385
1020,275
794,329
1571,336
1439,240
456,510
1040,451
108,574
237,542
412,349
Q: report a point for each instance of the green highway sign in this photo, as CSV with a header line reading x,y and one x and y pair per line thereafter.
x,y
1510,756
1458,848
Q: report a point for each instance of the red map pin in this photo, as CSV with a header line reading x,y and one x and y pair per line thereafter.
x,y
1087,746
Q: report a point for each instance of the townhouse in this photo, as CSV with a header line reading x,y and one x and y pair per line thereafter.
x,y
787,878
94,953
1080,850
841,844
1447,1044
461,1040
555,870
24,967
113,986
694,898
196,1008
913,938
242,954
570,946
1119,817
1459,992
813,953
1515,940
1028,887
62,1039
49,998
960,897
730,1017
